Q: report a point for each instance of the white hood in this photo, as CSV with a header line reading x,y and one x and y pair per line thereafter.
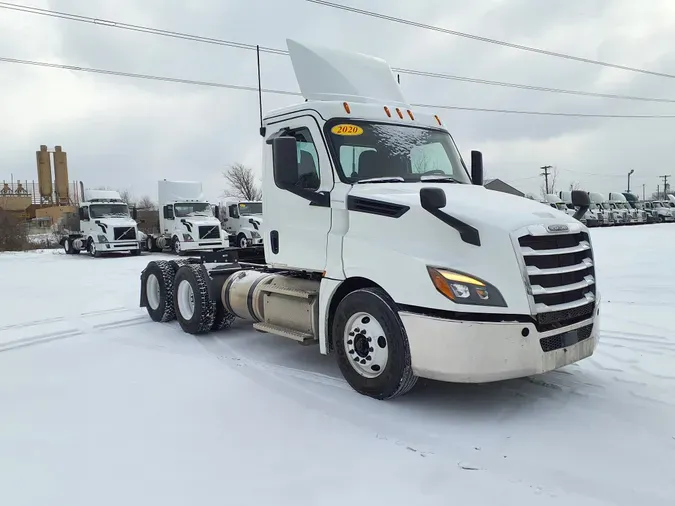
x,y
475,205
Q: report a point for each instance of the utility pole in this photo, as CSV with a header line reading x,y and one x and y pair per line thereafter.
x,y
665,185
643,192
546,174
629,174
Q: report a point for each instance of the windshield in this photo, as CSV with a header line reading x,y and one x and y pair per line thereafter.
x,y
657,204
109,211
561,206
366,150
249,208
185,209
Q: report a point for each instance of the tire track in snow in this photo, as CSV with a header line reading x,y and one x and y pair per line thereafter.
x,y
80,326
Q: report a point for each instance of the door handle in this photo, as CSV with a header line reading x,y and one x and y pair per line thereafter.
x,y
274,241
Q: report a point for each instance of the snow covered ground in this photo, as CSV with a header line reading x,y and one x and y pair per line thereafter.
x,y
100,406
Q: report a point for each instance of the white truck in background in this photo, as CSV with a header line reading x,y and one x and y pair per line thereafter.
x,y
592,217
600,204
346,174
243,221
630,215
105,226
660,211
187,222
557,202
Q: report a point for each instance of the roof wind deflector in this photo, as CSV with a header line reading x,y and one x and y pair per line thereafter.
x,y
326,74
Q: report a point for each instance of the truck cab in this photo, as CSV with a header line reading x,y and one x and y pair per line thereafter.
x,y
660,211
105,226
601,205
620,204
243,221
187,222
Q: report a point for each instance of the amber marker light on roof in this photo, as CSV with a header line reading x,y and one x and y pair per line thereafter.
x,y
347,108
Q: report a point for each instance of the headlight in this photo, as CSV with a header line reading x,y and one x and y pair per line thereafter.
x,y
187,237
255,235
465,289
102,238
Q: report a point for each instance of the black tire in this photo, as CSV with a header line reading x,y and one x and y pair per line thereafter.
x,y
242,238
164,272
90,249
223,318
397,378
204,313
175,243
68,246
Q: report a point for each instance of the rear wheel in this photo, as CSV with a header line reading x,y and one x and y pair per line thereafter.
x,y
372,345
68,246
195,311
158,281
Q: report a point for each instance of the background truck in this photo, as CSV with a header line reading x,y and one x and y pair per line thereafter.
x,y
592,218
557,202
630,215
104,225
243,220
347,174
187,222
600,204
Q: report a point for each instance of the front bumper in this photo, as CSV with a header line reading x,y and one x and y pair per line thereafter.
x,y
202,244
479,352
113,246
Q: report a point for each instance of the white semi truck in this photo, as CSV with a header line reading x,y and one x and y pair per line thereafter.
x,y
592,217
347,174
187,222
630,214
243,221
105,226
600,204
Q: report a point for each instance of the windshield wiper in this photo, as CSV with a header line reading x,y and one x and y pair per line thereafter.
x,y
391,179
449,179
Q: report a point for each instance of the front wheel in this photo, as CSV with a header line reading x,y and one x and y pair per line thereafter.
x,y
92,249
372,345
241,241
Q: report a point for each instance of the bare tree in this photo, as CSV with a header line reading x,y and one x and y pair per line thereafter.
x,y
575,185
146,203
126,197
552,183
241,183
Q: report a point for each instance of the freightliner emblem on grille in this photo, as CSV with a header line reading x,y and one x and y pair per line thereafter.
x,y
558,228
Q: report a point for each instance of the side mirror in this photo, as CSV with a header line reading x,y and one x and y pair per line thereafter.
x,y
432,198
134,213
477,168
581,200
216,211
285,159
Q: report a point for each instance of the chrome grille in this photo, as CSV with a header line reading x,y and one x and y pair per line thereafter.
x,y
561,273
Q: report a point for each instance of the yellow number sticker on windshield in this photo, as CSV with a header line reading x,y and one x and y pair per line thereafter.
x,y
347,130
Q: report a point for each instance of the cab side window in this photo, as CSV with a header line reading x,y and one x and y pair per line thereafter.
x,y
308,176
234,212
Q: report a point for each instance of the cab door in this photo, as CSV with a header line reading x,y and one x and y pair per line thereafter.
x,y
298,218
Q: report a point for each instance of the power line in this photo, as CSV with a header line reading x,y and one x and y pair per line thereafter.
x,y
276,51
291,93
487,39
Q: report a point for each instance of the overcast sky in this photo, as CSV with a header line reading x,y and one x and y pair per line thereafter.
x,y
128,133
